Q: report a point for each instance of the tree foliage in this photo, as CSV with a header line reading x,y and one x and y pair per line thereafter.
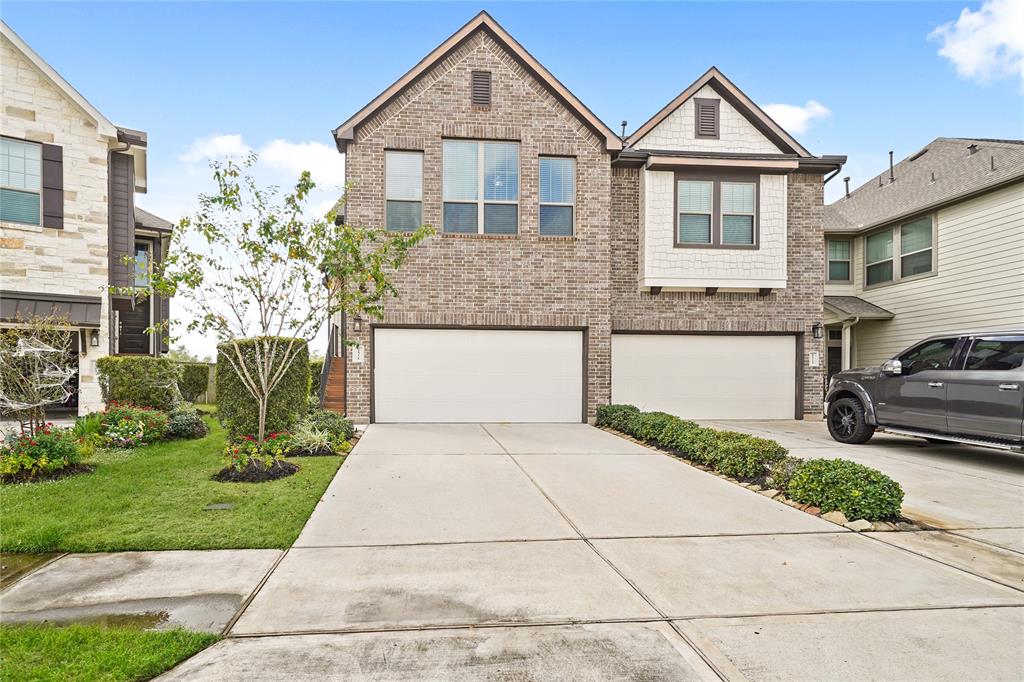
x,y
36,363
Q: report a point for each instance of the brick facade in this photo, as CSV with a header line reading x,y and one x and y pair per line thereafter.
x,y
588,281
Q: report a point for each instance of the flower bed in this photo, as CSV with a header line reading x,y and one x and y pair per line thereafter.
x,y
51,453
818,485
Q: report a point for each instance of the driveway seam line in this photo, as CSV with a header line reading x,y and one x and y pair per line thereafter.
x,y
959,533
226,631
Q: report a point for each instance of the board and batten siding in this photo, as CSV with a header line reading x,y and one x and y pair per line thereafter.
x,y
979,282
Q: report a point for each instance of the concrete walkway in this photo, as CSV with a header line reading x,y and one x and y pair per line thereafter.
x,y
517,552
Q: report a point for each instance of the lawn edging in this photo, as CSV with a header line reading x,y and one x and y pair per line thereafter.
x,y
764,467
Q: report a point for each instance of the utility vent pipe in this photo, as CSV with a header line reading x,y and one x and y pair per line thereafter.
x,y
846,181
891,176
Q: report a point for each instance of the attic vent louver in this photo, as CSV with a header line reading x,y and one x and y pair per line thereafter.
x,y
480,89
706,115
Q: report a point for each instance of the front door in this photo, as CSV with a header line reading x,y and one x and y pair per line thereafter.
x,y
835,360
986,397
132,322
916,398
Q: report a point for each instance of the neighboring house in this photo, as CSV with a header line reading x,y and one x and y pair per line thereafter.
x,y
679,269
934,245
68,179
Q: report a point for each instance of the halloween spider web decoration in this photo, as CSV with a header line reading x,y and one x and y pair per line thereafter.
x,y
33,374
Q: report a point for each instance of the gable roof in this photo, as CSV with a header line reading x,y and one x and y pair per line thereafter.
x,y
145,219
103,124
738,99
481,22
958,174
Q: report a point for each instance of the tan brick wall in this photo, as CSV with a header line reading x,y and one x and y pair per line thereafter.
x,y
72,260
588,281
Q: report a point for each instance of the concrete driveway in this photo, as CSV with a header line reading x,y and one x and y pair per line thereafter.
x,y
523,552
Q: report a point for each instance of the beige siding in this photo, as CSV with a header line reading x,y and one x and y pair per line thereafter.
x,y
979,282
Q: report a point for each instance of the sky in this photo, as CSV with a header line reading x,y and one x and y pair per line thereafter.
x,y
208,79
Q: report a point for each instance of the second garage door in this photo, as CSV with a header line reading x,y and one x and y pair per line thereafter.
x,y
477,375
706,376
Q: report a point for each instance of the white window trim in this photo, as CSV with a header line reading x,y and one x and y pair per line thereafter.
x,y
481,175
387,197
898,256
848,260
38,193
722,214
710,214
571,204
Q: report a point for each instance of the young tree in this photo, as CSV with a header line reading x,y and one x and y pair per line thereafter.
x,y
252,263
36,364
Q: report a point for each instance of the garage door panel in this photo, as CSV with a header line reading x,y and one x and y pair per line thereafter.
x,y
468,375
706,376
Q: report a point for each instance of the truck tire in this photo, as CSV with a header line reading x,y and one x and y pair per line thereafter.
x,y
846,422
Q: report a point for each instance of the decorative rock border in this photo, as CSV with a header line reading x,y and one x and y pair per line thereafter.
x,y
836,517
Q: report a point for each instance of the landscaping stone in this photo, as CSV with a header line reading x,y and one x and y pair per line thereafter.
x,y
755,487
771,492
903,525
811,509
836,517
859,525
883,526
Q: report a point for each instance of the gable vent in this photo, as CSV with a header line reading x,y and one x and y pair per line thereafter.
x,y
480,89
706,124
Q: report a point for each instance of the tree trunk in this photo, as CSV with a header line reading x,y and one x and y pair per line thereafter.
x,y
263,417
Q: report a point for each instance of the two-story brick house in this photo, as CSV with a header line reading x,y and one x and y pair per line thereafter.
x,y
68,179
679,269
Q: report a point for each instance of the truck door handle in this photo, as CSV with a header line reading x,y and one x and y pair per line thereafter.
x,y
1009,387
935,384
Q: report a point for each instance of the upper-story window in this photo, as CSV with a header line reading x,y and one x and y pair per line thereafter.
x,y
716,213
20,181
481,187
403,188
839,260
913,241
557,196
143,260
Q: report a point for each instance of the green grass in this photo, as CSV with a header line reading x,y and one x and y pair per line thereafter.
x,y
153,498
81,652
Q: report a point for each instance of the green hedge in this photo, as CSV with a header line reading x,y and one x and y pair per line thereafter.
x,y
316,367
141,380
858,491
238,409
195,378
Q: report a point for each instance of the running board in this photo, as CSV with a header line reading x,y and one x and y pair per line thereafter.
x,y
955,439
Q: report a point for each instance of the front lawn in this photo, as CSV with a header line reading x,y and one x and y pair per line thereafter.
x,y
82,652
154,498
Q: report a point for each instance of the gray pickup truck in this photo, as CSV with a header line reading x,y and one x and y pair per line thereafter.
x,y
964,388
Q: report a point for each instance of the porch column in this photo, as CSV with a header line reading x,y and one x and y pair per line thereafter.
x,y
847,345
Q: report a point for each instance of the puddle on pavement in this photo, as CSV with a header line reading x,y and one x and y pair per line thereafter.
x,y
14,566
202,613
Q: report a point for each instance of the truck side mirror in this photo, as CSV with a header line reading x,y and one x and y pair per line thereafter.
x,y
892,367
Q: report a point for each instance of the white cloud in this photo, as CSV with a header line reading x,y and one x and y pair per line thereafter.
x,y
214,147
795,118
323,162
985,44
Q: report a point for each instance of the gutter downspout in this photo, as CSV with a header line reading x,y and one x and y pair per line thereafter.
x,y
848,341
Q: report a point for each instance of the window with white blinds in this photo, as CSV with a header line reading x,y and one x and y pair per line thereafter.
x,y
694,200
403,187
557,196
913,243
480,187
738,212
20,181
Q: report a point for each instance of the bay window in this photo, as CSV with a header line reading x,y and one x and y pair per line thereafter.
x,y
403,189
480,187
557,196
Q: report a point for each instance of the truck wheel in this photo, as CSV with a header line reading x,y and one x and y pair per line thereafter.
x,y
846,422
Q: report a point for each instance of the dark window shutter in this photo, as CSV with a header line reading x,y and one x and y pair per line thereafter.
x,y
480,89
121,210
163,304
53,186
706,117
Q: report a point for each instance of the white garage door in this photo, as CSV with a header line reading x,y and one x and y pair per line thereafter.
x,y
706,377
477,375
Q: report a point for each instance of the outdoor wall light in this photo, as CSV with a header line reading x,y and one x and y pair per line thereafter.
x,y
94,338
817,330
357,324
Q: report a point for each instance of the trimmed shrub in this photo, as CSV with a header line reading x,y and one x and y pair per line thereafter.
x,y
126,426
185,423
748,457
238,410
616,416
647,426
858,491
332,423
47,452
781,472
139,380
316,367
683,437
195,377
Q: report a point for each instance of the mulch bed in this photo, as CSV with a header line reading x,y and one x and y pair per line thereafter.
x,y
72,470
256,473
